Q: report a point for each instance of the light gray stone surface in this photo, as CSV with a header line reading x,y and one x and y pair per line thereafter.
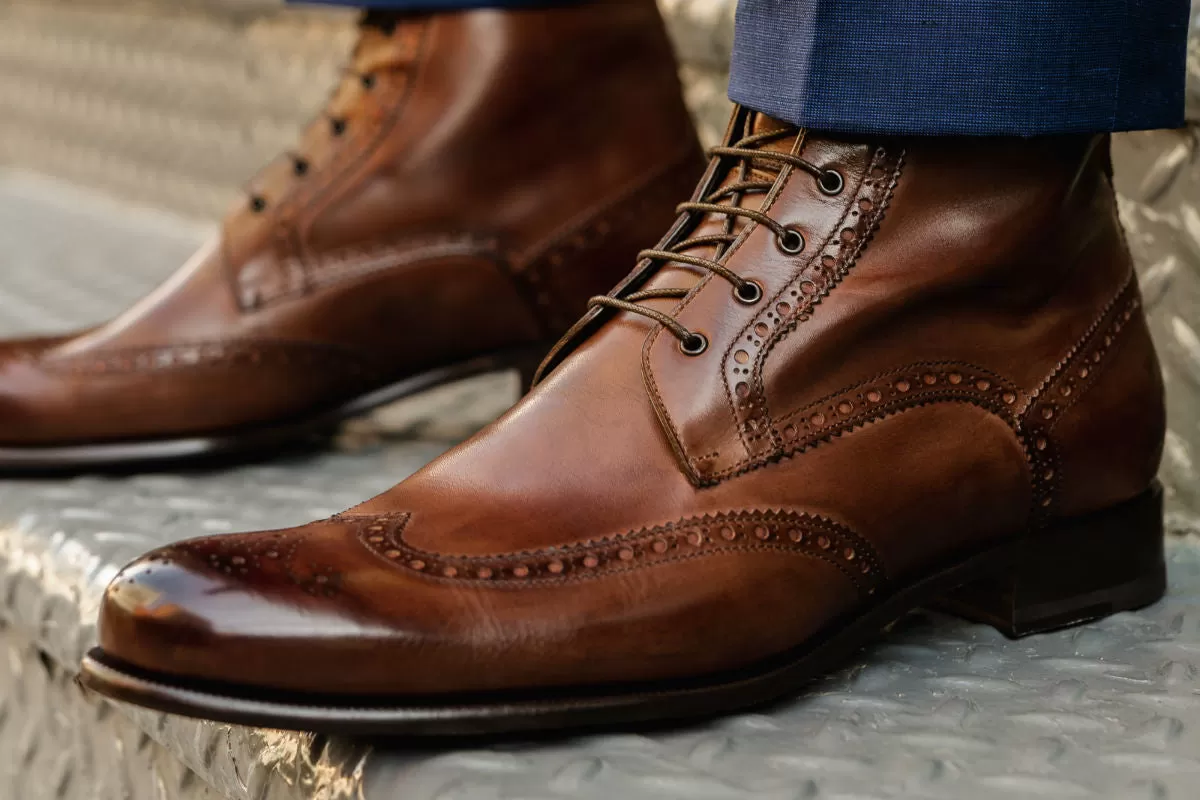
x,y
940,709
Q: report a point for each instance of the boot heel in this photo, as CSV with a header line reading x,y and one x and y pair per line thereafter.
x,y
1077,570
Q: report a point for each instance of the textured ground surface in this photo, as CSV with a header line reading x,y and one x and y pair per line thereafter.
x,y
941,709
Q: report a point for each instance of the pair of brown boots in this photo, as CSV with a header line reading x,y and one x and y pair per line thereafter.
x,y
855,376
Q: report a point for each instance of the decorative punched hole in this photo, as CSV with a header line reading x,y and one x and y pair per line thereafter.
x,y
300,166
831,182
741,356
337,126
258,203
368,81
694,344
791,241
748,293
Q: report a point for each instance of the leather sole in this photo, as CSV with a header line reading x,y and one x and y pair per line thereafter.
x,y
1073,572
243,444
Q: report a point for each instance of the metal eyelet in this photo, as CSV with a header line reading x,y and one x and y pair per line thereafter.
x,y
791,241
831,182
693,345
748,293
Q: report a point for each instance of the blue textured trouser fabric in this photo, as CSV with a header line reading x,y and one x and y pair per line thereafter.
x,y
937,67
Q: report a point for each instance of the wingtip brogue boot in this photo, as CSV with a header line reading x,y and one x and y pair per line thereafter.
x,y
856,377
474,179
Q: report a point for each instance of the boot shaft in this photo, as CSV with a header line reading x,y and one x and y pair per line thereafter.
x,y
968,271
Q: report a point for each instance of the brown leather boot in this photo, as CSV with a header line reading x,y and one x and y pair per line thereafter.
x,y
475,178
856,377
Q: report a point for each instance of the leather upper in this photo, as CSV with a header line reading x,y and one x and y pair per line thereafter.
x,y
456,199
957,356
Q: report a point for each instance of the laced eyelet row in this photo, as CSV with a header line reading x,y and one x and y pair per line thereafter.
x,y
788,238
337,125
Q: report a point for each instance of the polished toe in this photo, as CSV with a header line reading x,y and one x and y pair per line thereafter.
x,y
344,606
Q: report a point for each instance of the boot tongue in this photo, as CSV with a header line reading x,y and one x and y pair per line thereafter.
x,y
676,275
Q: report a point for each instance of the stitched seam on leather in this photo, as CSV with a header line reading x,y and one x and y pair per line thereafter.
x,y
818,537
1086,362
895,410
1080,343
660,407
832,278
533,266
730,400
1097,371
337,170
305,196
383,258
919,365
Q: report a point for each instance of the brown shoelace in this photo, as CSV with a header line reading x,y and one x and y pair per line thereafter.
x,y
381,21
748,292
